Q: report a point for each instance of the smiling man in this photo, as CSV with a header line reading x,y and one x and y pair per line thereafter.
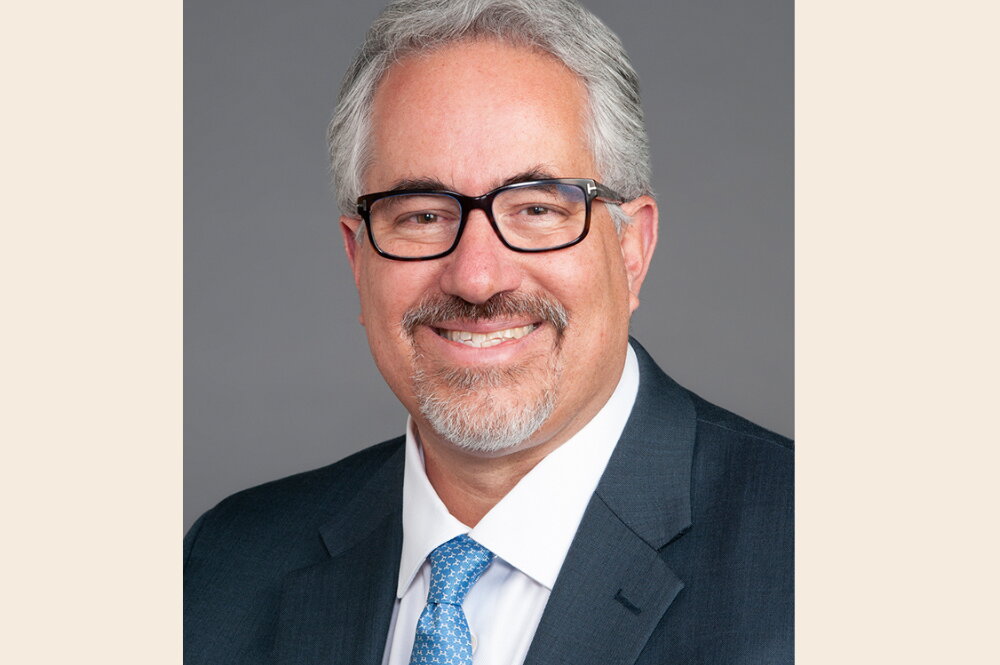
x,y
555,497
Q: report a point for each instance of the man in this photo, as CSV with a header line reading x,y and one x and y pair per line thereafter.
x,y
556,498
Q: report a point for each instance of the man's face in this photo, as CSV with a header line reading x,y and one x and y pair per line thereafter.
x,y
471,116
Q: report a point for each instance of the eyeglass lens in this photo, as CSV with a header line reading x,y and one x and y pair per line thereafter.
x,y
533,217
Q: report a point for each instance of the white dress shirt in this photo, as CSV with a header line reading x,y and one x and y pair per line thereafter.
x,y
529,531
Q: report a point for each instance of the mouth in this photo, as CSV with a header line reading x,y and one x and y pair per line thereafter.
x,y
482,340
498,332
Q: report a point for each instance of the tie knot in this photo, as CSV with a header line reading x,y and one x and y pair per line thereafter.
x,y
455,567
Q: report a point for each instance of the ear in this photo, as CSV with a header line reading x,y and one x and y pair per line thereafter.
x,y
349,229
352,245
638,241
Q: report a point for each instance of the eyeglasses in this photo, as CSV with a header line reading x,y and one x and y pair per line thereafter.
x,y
533,216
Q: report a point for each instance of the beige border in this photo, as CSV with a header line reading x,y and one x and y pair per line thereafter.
x,y
896,351
896,363
92,332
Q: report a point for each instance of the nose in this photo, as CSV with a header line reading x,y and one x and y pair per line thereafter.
x,y
481,266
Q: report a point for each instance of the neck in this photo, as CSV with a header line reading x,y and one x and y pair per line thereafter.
x,y
469,485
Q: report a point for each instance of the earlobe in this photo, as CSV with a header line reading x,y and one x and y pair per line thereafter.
x,y
638,240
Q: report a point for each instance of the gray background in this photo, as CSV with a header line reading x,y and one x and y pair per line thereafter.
x,y
278,377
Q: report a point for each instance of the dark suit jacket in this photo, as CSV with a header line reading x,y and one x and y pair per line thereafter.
x,y
684,554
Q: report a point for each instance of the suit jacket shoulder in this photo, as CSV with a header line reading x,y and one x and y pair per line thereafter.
x,y
737,557
238,555
264,515
711,416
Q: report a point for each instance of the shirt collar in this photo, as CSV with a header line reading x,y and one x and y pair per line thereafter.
x,y
532,527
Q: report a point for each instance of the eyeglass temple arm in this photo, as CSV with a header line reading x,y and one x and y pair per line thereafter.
x,y
607,194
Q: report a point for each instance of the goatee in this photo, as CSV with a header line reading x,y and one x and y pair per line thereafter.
x,y
490,409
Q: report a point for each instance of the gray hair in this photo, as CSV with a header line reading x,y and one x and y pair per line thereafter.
x,y
562,28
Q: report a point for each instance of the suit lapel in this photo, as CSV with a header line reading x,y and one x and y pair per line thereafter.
x,y
611,592
339,610
614,588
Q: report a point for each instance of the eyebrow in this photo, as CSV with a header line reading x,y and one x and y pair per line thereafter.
x,y
534,173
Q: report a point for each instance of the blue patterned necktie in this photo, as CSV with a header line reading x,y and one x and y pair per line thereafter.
x,y
443,636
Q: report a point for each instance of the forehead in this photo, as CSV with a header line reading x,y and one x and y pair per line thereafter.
x,y
474,113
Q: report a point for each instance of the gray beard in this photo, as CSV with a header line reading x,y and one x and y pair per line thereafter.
x,y
475,408
461,405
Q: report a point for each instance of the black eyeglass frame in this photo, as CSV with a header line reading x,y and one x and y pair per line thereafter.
x,y
591,188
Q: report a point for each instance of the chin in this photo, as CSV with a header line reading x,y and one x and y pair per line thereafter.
x,y
487,411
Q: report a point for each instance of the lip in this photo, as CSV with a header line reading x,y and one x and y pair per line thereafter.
x,y
485,327
462,355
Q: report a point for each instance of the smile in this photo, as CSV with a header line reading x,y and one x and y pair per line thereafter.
x,y
483,340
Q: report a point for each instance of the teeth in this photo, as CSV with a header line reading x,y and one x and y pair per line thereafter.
x,y
484,340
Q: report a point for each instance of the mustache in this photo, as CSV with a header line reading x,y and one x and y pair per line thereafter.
x,y
433,309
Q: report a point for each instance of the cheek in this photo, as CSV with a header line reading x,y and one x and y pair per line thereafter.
x,y
593,281
376,303
388,289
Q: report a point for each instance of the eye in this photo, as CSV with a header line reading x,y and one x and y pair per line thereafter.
x,y
537,210
422,218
